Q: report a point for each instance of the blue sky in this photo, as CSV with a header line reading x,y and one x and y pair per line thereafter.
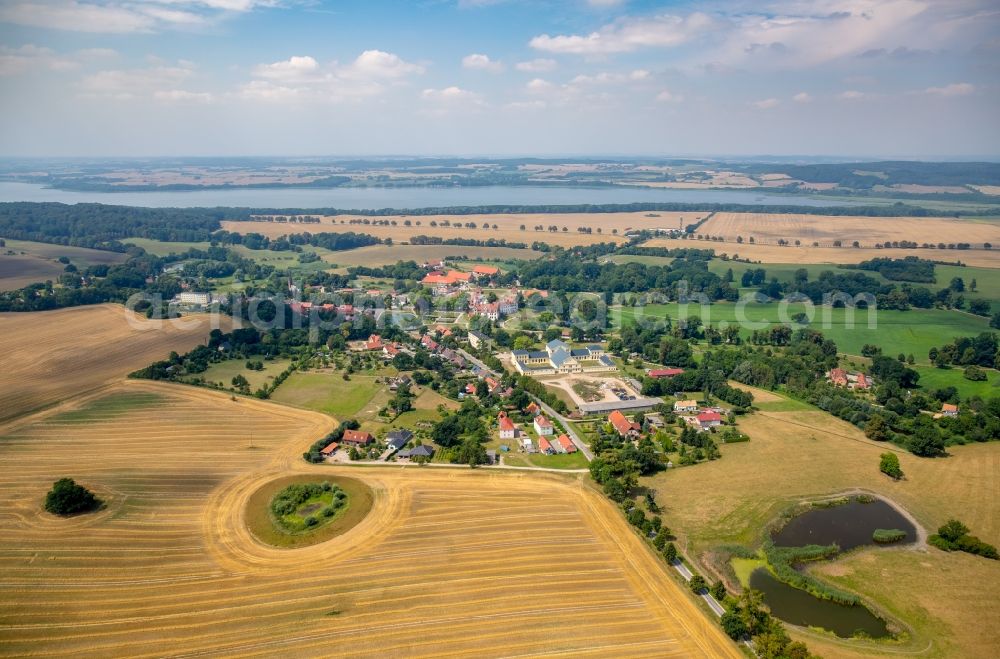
x,y
911,78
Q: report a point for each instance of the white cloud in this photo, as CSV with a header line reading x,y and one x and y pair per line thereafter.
x,y
766,104
637,75
851,95
539,65
132,83
627,35
802,97
954,89
539,85
452,95
182,96
380,64
481,62
297,67
667,96
118,17
301,76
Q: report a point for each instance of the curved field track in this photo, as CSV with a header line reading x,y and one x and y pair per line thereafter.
x,y
52,355
449,562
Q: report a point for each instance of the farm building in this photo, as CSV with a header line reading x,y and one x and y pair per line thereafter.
x,y
709,419
527,445
622,425
485,271
558,357
664,372
542,426
422,451
330,449
357,438
374,342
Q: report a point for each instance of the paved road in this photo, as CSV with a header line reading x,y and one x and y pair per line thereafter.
x,y
711,601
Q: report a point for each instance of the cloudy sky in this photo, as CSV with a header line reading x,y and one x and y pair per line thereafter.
x,y
499,77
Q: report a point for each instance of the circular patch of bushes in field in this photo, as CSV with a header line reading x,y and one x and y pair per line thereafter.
x,y
303,510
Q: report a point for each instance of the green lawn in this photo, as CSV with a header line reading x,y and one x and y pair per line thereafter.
x,y
932,378
646,260
160,248
915,331
328,392
224,372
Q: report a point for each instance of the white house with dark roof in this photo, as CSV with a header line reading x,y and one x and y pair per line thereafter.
x,y
559,357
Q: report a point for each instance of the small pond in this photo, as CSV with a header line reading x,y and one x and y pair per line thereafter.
x,y
801,608
848,525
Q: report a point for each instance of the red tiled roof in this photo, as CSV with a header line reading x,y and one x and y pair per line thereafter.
x,y
357,437
543,422
665,372
330,448
705,417
374,342
485,270
543,444
566,443
620,423
505,422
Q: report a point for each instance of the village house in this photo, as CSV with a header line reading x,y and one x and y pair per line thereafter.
x,y
478,339
397,439
357,438
533,409
622,425
374,342
566,444
686,406
422,451
428,342
838,377
947,409
508,430
545,447
485,271
543,427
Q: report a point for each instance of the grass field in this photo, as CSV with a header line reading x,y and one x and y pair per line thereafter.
x,y
937,378
224,372
915,331
52,355
806,254
448,561
731,500
376,255
768,228
328,392
161,248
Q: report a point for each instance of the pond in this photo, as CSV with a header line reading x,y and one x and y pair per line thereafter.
x,y
801,608
847,525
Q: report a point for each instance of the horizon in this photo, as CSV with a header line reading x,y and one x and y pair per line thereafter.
x,y
240,78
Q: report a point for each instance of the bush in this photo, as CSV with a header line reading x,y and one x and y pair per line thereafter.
x,y
733,625
889,465
887,536
954,536
697,584
68,498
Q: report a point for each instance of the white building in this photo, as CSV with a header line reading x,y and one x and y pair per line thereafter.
x,y
558,357
195,298
542,426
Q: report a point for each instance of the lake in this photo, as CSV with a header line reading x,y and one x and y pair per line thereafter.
x,y
376,198
848,525
801,608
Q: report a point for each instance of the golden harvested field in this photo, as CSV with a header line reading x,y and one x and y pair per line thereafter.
x,y
806,254
799,455
508,226
768,228
51,355
449,562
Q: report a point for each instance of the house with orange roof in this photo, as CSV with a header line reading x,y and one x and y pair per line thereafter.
x,y
374,342
565,444
330,449
533,409
508,430
357,438
545,447
622,425
947,409
485,271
